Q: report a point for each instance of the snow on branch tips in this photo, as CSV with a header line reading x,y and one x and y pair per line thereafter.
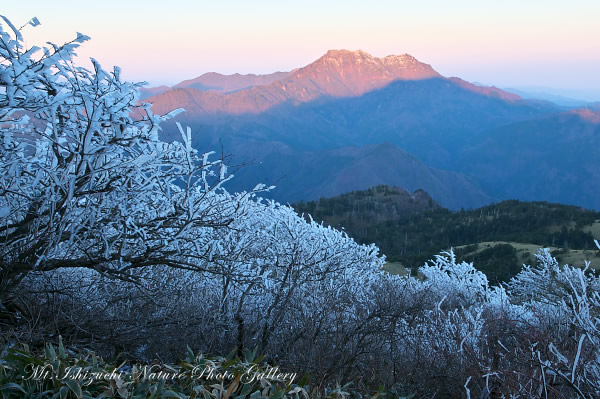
x,y
84,179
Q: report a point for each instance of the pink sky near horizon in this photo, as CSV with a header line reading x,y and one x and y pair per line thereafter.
x,y
516,43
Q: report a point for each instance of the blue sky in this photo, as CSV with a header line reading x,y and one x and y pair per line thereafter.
x,y
510,43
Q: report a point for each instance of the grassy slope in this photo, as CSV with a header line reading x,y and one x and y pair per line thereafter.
x,y
395,268
593,229
525,253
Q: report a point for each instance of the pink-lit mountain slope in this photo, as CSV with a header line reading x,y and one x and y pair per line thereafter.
x,y
339,73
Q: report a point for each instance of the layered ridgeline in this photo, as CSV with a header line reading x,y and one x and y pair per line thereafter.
x,y
412,228
311,130
336,74
552,157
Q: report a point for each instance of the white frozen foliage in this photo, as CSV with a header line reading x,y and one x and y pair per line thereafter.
x,y
131,243
93,205
84,179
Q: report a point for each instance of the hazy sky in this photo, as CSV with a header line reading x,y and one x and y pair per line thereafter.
x,y
505,43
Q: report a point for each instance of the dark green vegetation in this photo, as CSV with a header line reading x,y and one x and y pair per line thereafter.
x,y
59,372
411,229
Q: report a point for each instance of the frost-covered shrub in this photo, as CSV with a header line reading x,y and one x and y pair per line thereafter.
x,y
564,302
85,180
140,237
458,284
265,275
118,241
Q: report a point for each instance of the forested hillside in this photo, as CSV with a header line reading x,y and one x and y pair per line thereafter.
x,y
411,229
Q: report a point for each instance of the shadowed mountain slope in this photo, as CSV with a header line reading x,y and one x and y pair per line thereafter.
x,y
554,157
313,174
296,129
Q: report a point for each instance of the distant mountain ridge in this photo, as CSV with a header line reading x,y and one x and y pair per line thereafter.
x,y
349,102
146,92
217,82
558,99
229,83
487,90
339,73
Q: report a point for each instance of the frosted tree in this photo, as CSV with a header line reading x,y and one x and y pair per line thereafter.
x,y
94,207
564,302
142,239
85,180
